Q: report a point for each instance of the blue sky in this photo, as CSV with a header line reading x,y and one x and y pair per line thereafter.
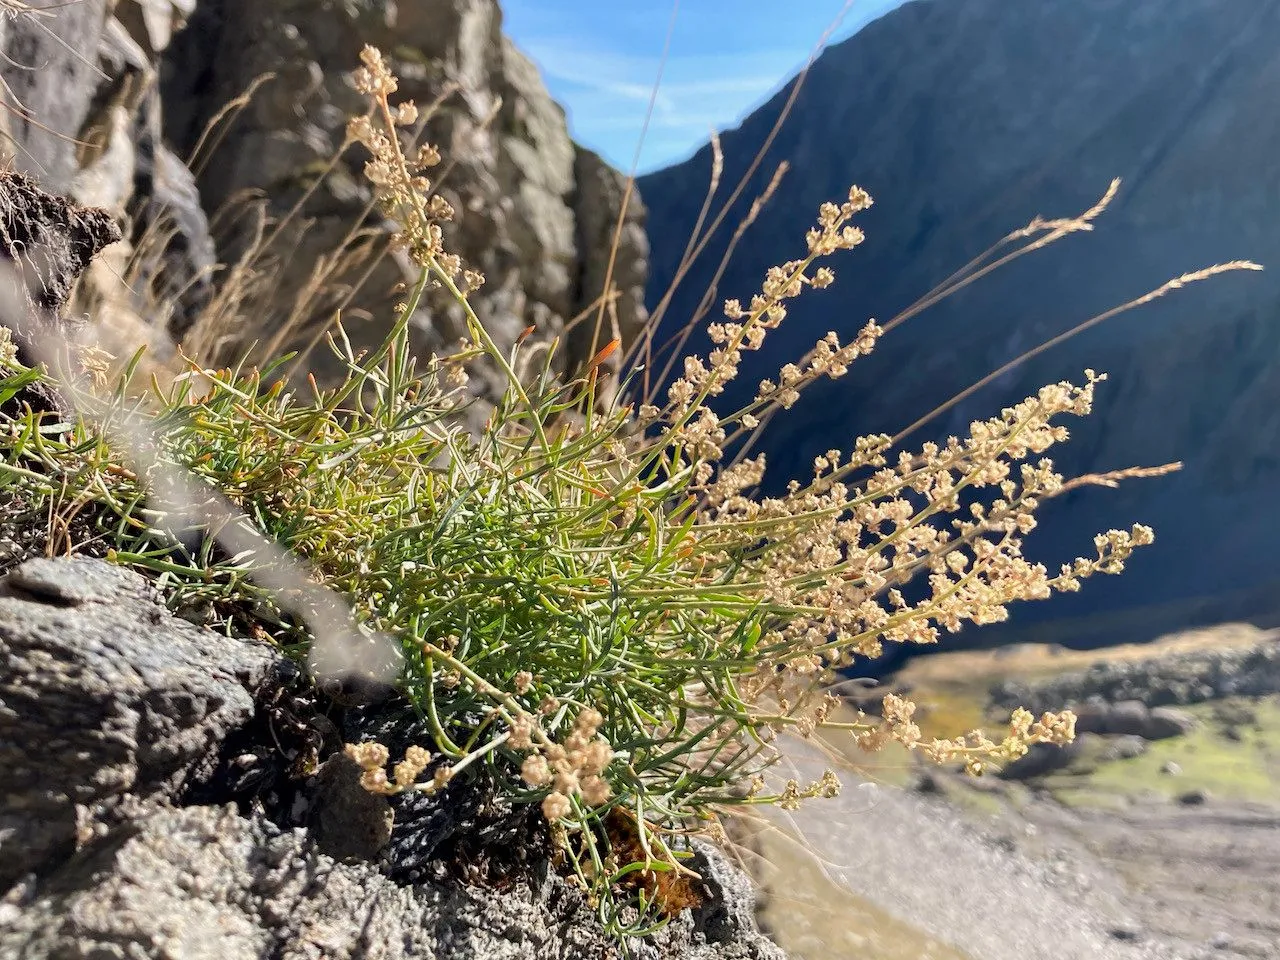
x,y
600,58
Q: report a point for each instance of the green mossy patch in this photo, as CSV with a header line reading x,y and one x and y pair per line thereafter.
x,y
1228,759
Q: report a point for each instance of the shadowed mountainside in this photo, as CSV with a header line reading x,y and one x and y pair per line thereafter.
x,y
965,119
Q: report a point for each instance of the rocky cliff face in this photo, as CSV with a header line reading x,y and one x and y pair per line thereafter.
x,y
964,119
124,90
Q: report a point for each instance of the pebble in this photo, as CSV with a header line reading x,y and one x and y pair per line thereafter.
x,y
1125,747
929,782
1128,932
1170,768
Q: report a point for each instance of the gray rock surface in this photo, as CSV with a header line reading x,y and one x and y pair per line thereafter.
x,y
1127,717
529,204
1165,722
50,74
105,702
1043,758
205,882
81,114
115,724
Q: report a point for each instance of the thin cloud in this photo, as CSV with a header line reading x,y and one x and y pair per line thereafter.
x,y
601,66
583,61
606,93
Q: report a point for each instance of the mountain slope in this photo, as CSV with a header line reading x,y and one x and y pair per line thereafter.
x,y
966,118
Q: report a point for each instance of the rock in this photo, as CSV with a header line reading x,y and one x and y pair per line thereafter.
x,y
86,126
727,917
1092,717
1128,932
1165,722
347,821
137,82
1194,798
1044,758
105,701
1220,940
532,210
118,725
47,242
50,79
930,782
1124,747
1235,661
1171,768
205,882
1128,717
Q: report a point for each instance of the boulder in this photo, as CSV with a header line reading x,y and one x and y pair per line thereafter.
x,y
48,240
1128,717
1046,758
106,702
1092,717
1165,722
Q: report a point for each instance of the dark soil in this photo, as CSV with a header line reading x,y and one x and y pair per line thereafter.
x,y
49,241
